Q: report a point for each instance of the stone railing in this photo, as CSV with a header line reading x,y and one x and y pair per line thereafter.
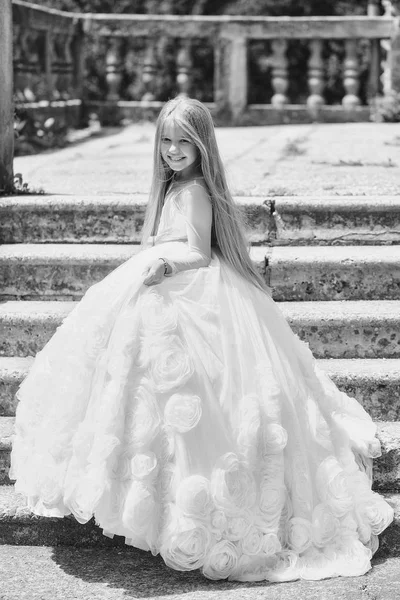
x,y
48,60
50,45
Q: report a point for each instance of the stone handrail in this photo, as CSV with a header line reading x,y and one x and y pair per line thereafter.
x,y
48,59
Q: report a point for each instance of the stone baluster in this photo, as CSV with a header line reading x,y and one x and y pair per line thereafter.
x,y
31,65
230,72
149,71
350,81
113,69
48,60
62,66
56,65
183,68
315,100
78,61
18,63
68,67
279,73
389,9
375,58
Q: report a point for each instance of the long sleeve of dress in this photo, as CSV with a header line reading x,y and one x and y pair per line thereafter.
x,y
196,206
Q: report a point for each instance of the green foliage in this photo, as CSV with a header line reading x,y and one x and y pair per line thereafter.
x,y
22,188
292,8
386,108
35,133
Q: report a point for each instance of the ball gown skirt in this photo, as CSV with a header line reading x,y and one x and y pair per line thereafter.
x,y
189,418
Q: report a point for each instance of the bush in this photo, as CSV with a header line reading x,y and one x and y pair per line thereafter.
x,y
386,109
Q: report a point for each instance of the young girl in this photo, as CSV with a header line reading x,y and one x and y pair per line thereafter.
x,y
177,407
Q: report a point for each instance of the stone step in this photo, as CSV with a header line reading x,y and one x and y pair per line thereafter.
x,y
65,271
375,383
334,273
338,220
285,220
94,219
18,526
346,329
386,467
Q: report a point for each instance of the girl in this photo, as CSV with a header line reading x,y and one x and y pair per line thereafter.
x,y
177,407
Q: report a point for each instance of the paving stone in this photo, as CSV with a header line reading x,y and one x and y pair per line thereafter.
x,y
65,572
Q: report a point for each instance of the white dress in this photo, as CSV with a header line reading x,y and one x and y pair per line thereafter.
x,y
189,418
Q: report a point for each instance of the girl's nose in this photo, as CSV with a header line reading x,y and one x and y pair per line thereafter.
x,y
173,148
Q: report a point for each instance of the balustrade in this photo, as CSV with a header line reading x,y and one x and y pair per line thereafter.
x,y
49,60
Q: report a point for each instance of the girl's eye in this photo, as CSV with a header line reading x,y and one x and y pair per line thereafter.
x,y
184,141
164,139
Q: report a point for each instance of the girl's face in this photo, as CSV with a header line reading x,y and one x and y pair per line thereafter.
x,y
178,151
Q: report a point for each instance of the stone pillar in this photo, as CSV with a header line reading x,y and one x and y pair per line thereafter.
x,y
393,62
280,81
315,100
230,72
6,98
351,76
237,87
375,59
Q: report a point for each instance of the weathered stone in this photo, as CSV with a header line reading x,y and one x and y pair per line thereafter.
x,y
26,326
343,220
375,383
66,271
18,526
363,329
6,98
369,329
334,273
111,219
12,371
387,467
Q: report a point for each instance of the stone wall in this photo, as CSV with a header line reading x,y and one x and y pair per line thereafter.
x,y
6,97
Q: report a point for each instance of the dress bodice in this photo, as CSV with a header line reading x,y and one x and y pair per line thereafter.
x,y
173,222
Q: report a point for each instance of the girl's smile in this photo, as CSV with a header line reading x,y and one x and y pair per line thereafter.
x,y
178,151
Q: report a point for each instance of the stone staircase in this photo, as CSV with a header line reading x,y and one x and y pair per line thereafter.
x,y
334,265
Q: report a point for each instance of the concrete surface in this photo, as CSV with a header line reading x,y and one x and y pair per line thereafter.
x,y
64,573
313,160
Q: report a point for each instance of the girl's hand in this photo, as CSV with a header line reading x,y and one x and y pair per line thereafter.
x,y
154,273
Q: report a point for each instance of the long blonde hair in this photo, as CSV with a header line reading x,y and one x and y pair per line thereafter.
x,y
228,229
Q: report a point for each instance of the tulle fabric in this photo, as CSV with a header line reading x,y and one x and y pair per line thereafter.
x,y
190,419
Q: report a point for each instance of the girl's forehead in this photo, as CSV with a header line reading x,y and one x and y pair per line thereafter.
x,y
172,129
